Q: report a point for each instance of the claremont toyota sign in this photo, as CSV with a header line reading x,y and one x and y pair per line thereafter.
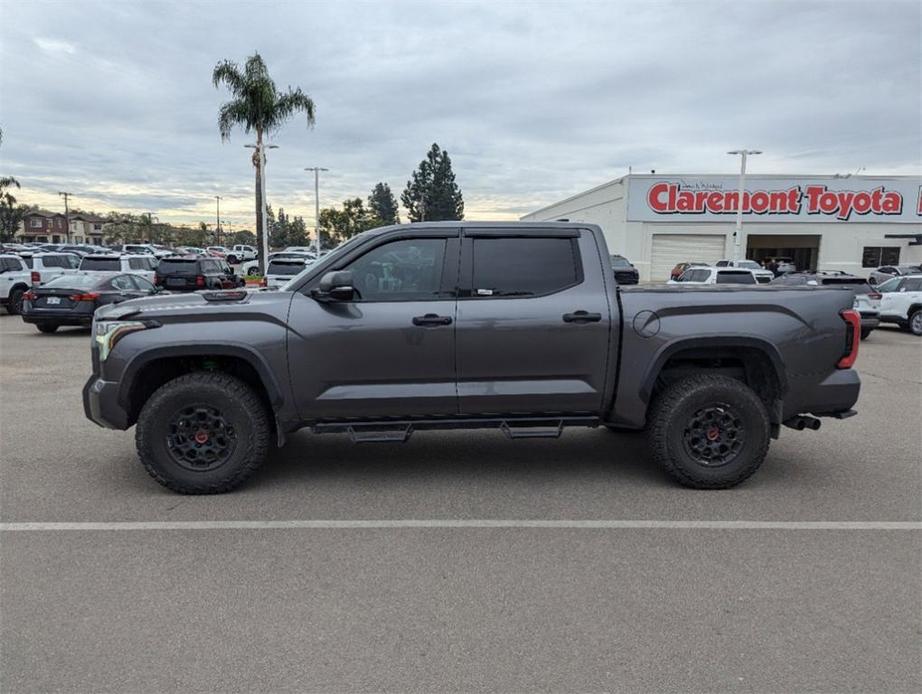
x,y
771,199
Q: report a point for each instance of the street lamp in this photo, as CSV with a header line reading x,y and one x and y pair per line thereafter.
x,y
316,170
260,153
218,219
738,234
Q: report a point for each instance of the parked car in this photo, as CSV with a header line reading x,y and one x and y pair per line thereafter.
x,y
763,276
867,299
901,302
15,280
156,251
45,266
217,252
73,299
195,272
308,250
240,253
281,270
144,265
783,264
252,267
512,326
189,250
625,272
677,271
886,272
715,275
79,249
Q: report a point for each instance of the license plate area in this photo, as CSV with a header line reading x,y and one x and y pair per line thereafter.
x,y
53,300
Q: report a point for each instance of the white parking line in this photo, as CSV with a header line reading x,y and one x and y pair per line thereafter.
x,y
464,523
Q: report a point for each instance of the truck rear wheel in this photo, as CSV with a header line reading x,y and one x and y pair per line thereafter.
x,y
709,431
203,433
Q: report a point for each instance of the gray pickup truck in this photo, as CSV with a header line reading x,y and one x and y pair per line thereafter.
x,y
515,326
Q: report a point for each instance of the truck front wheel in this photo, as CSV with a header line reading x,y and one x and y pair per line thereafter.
x,y
203,433
709,431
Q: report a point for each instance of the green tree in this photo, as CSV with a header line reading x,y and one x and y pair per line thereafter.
x,y
383,204
11,213
338,225
257,106
244,236
432,194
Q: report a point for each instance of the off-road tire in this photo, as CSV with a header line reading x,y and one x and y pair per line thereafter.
x,y
914,325
14,304
244,410
675,407
865,333
47,327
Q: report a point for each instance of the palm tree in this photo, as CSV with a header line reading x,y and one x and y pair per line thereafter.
x,y
257,106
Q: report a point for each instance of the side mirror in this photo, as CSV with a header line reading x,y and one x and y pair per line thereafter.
x,y
335,286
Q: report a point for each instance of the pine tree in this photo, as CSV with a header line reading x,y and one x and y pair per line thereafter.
x,y
383,204
432,194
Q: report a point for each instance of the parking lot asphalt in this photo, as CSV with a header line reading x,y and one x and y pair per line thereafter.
x,y
666,607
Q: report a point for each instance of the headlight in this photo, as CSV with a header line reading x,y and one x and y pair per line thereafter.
x,y
108,333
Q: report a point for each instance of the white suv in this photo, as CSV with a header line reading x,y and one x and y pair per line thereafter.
x,y
144,265
45,266
15,280
148,248
241,253
715,275
763,276
901,302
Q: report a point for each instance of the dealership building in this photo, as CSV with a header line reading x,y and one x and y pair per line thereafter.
x,y
848,223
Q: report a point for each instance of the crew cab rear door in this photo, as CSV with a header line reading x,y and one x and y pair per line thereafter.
x,y
533,325
389,352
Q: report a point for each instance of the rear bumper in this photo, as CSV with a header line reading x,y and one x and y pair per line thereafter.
x,y
101,406
835,394
869,322
46,317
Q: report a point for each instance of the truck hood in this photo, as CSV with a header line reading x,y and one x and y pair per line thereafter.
x,y
195,305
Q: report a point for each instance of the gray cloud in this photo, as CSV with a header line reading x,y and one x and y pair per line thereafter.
x,y
534,101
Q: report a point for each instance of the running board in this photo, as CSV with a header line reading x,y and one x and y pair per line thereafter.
x,y
399,431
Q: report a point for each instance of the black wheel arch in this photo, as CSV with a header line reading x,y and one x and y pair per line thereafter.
x,y
761,363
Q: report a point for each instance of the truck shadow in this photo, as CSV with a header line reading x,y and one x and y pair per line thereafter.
x,y
586,455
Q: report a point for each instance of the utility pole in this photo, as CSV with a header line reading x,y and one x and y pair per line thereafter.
x,y
738,234
66,197
316,170
218,219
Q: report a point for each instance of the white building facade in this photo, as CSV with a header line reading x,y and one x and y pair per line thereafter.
x,y
848,223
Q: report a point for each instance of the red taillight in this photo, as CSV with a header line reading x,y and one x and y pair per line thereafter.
x,y
36,277
263,282
875,295
29,296
852,338
156,278
200,280
86,296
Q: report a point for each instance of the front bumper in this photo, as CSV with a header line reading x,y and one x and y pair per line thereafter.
x,y
101,405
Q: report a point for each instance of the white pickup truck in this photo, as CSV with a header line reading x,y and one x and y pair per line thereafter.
x,y
15,280
240,254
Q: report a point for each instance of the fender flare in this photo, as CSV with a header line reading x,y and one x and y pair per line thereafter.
x,y
671,349
223,349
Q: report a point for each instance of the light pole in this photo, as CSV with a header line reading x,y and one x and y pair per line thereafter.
x,y
738,234
316,170
218,219
260,153
66,197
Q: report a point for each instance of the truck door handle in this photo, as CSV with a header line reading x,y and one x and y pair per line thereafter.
x,y
431,319
582,317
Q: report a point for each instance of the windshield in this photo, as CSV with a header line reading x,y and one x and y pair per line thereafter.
x,y
618,262
890,285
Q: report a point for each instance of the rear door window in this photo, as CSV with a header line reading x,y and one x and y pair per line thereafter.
x,y
735,278
122,283
138,264
524,266
913,284
55,261
171,266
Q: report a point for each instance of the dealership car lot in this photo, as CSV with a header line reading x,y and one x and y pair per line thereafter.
x,y
664,589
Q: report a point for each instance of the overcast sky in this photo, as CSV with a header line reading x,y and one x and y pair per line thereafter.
x,y
533,101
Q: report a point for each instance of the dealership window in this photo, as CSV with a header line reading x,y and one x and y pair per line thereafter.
x,y
524,266
875,256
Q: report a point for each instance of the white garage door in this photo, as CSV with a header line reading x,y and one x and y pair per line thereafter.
x,y
670,249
